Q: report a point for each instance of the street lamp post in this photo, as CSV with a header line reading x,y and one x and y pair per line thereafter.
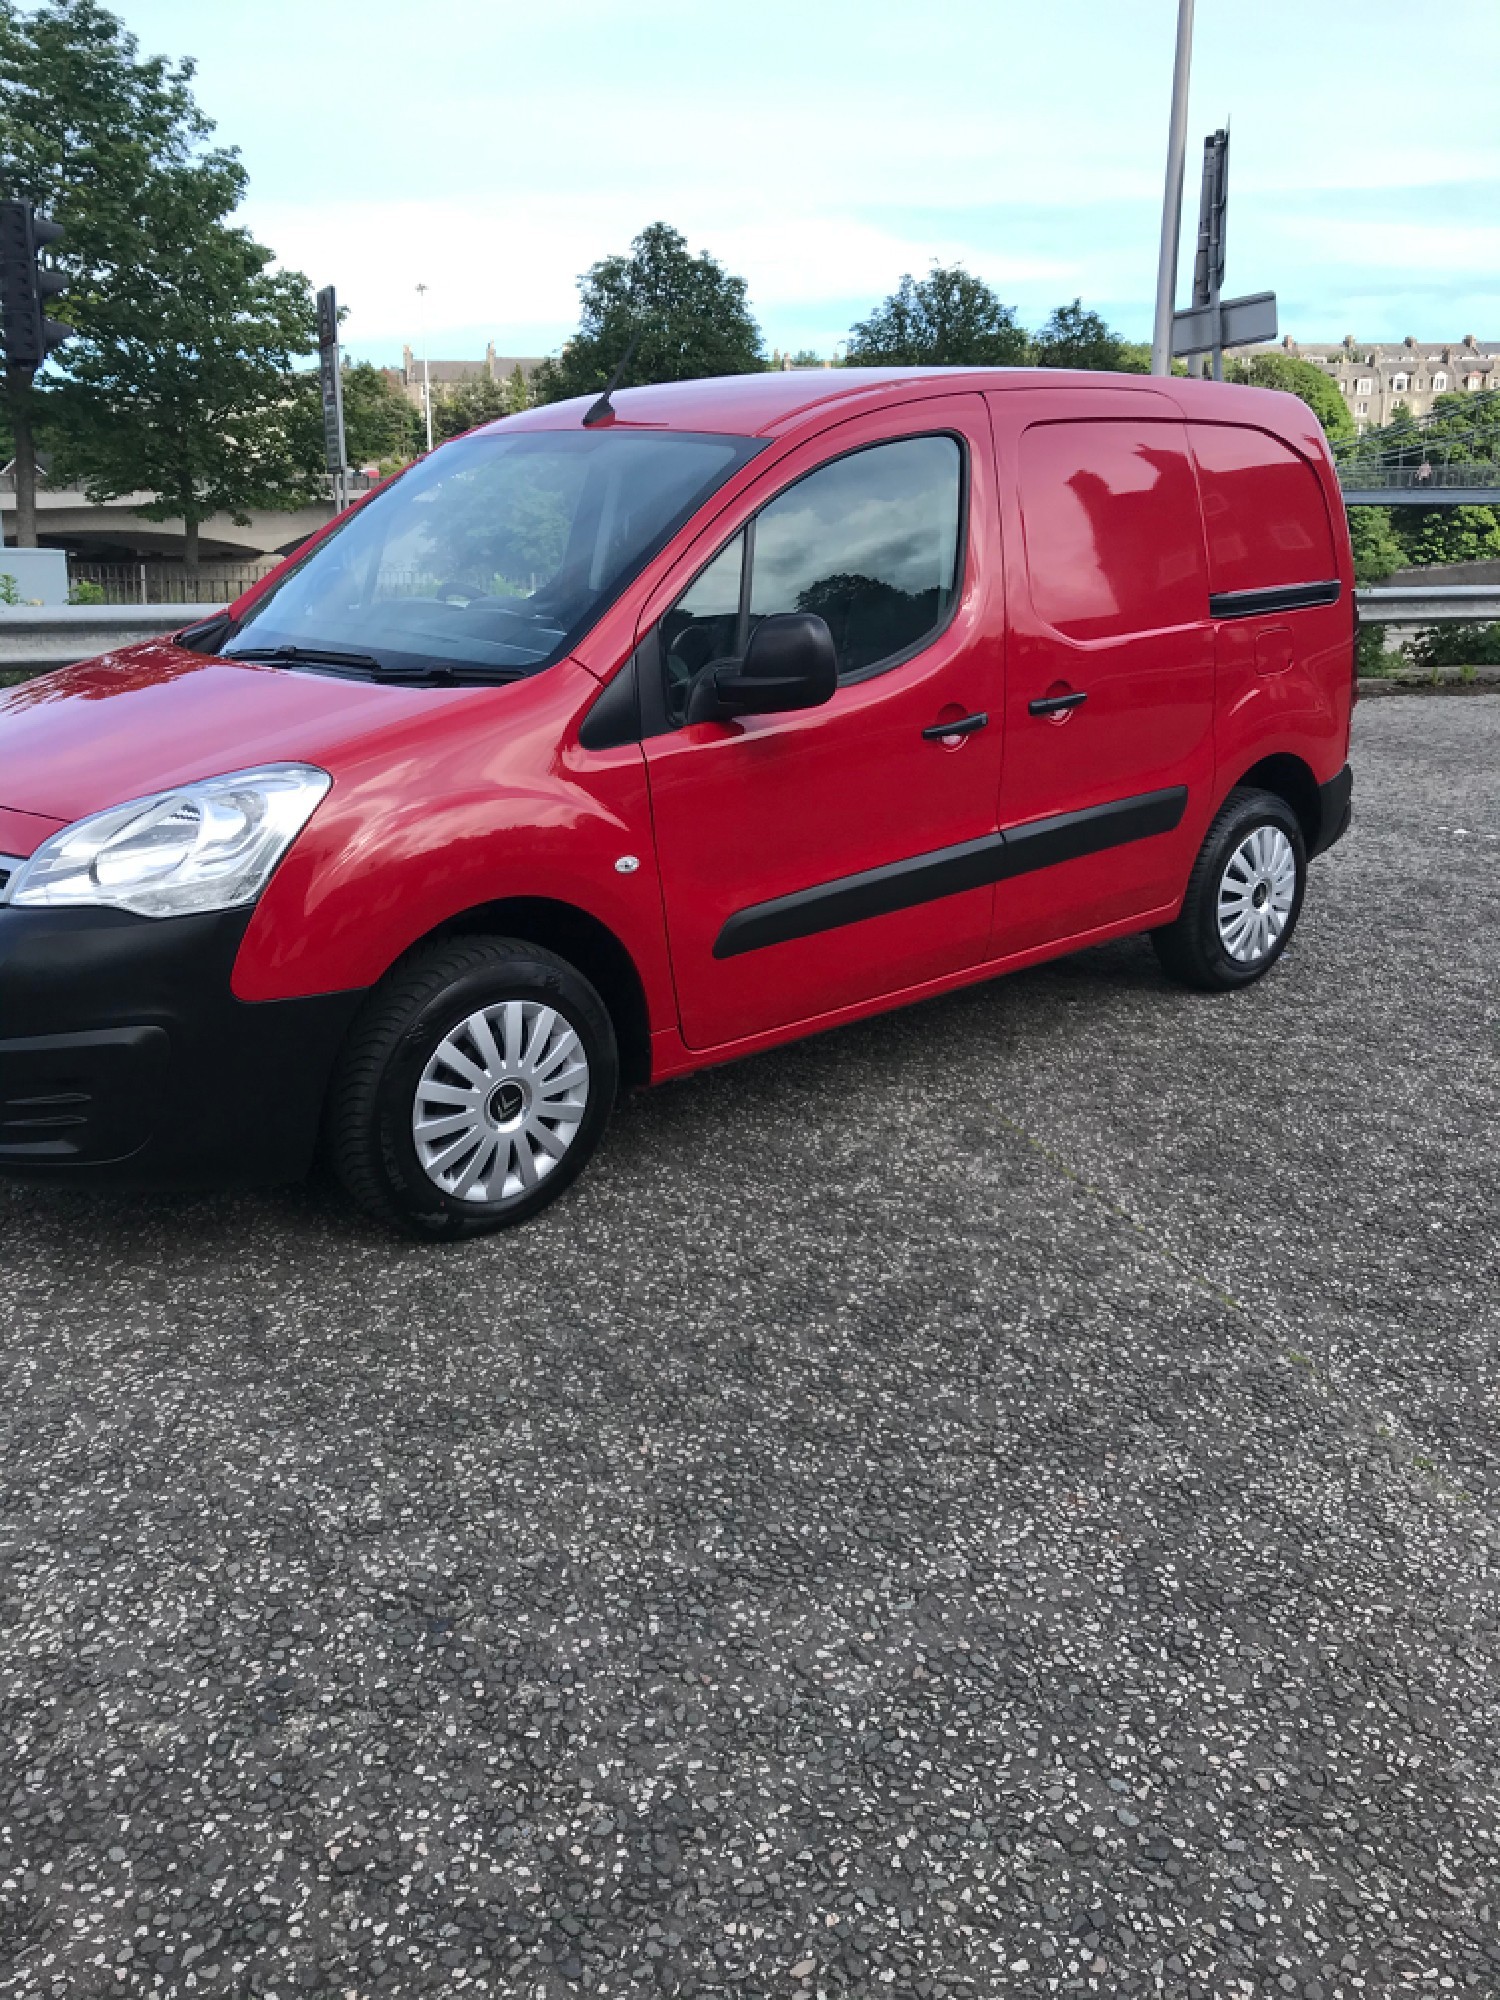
x,y
426,371
1171,213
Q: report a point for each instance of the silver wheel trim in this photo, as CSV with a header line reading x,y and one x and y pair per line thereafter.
x,y
500,1101
1256,894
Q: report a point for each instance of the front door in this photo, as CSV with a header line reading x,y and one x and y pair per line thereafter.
x,y
1110,688
808,860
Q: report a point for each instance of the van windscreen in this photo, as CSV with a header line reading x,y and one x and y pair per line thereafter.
x,y
492,557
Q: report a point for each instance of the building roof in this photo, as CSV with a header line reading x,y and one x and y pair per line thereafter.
x,y
487,365
1454,352
470,371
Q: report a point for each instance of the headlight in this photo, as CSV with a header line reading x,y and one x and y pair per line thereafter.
x,y
204,846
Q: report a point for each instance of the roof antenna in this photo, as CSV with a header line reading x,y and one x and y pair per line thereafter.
x,y
602,412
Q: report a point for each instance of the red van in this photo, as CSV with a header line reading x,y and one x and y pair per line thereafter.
x,y
614,740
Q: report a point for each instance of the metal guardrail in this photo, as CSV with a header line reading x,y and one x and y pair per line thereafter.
x,y
34,638
1428,603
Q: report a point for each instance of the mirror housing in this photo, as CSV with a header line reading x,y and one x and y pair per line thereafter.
x,y
789,663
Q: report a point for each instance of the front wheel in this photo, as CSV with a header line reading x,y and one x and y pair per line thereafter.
x,y
1243,897
473,1088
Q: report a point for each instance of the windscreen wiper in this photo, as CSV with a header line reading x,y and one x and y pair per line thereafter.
x,y
313,656
425,670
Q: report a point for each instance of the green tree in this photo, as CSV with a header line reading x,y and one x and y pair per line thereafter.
x,y
689,316
381,425
517,391
1074,337
85,127
184,387
1377,546
1463,428
467,405
1450,534
178,378
950,318
1299,378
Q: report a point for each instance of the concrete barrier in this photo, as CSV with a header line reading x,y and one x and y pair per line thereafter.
x,y
36,637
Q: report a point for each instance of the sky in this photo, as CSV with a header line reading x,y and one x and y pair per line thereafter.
x,y
493,153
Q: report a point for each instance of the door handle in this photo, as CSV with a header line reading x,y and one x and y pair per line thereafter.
x,y
1056,704
965,726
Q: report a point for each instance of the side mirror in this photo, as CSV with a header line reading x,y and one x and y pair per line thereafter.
x,y
789,663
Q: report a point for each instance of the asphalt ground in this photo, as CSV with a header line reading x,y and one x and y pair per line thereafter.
x,y
1001,1500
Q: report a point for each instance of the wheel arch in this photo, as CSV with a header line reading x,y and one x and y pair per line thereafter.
x,y
1291,779
586,943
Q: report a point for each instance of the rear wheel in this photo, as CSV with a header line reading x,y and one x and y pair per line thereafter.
x,y
1243,898
473,1088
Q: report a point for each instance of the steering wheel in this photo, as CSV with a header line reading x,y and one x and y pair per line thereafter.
x,y
687,656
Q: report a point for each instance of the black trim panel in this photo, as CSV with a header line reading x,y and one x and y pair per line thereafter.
x,y
1284,597
1042,843
615,717
1336,800
947,871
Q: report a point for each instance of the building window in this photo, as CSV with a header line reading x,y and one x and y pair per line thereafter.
x,y
1439,384
1362,409
1398,383
1474,382
1364,386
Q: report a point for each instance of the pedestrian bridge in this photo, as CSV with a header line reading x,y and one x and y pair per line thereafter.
x,y
1442,459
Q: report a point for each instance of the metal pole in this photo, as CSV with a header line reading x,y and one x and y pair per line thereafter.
x,y
426,374
1171,214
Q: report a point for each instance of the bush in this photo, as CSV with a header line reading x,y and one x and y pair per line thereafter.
x,y
1375,659
86,593
1456,646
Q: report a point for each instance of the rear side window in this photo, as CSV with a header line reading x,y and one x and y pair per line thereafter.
x,y
1114,540
1263,508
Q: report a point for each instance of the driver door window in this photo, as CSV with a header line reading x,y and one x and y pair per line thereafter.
x,y
703,625
869,542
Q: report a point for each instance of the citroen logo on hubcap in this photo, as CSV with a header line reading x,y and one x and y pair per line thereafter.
x,y
507,1102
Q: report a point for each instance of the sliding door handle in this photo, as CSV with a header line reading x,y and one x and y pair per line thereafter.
x,y
939,732
1056,704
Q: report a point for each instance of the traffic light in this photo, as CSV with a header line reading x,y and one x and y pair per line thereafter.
x,y
26,283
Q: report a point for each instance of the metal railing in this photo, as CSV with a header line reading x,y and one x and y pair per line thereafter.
x,y
1430,477
1428,603
168,582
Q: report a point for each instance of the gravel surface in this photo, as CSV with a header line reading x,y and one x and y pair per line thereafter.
x,y
998,1501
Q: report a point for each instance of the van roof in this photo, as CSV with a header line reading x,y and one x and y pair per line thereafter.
x,y
762,404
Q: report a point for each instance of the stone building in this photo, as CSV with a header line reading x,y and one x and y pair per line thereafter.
x,y
1373,378
447,375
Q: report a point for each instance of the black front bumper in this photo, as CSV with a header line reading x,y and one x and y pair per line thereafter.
x,y
124,1054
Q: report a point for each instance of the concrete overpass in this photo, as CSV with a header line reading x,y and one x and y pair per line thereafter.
x,y
117,532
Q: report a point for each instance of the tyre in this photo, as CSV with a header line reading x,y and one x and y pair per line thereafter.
x,y
473,1088
1243,897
